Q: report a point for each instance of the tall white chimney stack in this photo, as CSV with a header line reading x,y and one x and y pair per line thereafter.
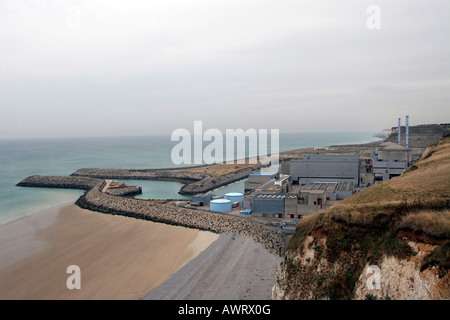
x,y
407,132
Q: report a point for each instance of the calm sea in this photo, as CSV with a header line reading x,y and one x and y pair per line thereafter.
x,y
24,157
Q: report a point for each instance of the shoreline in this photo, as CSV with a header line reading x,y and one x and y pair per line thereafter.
x,y
39,250
95,200
119,258
33,214
207,262
183,181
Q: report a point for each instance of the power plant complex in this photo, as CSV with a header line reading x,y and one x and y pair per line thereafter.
x,y
299,187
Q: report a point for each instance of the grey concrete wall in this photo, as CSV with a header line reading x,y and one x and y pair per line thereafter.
x,y
268,205
325,170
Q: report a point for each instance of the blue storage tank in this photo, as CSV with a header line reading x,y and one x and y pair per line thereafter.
x,y
220,205
234,197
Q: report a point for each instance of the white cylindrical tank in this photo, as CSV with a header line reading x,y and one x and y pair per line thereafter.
x,y
220,205
234,197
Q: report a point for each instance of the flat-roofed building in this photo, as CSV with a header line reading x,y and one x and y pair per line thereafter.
x,y
256,180
268,203
200,200
321,193
390,160
325,168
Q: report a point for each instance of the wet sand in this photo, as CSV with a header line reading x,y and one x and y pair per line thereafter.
x,y
119,257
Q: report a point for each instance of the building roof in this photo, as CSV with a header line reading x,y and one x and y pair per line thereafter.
x,y
270,196
328,187
220,201
234,194
385,144
316,191
391,146
257,174
328,157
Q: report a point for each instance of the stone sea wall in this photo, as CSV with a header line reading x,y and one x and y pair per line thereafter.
x,y
139,174
211,183
84,183
126,191
96,200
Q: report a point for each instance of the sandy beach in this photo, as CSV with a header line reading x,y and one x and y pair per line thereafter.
x,y
119,257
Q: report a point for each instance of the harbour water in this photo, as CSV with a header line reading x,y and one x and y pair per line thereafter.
x,y
24,157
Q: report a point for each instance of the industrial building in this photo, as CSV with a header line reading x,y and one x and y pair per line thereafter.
x,y
274,205
385,170
325,168
301,187
281,185
317,181
256,180
391,159
268,203
319,193
390,151
200,200
366,178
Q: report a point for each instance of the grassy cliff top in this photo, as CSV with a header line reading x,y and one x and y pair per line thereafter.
x,y
428,178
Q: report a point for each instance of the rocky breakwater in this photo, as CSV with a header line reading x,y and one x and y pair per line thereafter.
x,y
84,183
213,182
121,189
140,174
96,200
194,182
166,213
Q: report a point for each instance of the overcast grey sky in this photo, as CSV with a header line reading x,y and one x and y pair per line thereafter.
x,y
108,68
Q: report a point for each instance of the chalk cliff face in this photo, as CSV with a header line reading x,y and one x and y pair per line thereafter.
x,y
311,275
391,241
403,279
